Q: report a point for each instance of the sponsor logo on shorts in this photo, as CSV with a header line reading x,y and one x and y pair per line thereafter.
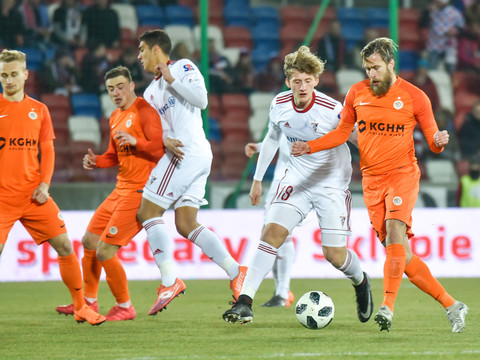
x,y
397,200
60,216
113,230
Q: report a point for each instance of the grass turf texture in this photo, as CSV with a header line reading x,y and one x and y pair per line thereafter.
x,y
193,328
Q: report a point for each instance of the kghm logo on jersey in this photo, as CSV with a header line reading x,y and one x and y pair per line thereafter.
x,y
381,128
18,143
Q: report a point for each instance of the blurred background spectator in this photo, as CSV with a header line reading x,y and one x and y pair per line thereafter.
x,y
469,191
181,51
423,81
100,24
61,75
221,71
12,29
273,77
37,27
94,65
139,76
469,134
446,21
332,47
67,24
244,73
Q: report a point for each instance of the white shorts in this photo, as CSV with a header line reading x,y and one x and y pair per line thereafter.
x,y
181,183
331,205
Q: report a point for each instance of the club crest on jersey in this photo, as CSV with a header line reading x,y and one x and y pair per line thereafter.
x,y
397,105
314,126
33,115
128,123
342,220
287,125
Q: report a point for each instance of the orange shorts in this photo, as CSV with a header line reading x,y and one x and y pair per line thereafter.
x,y
42,221
391,196
115,220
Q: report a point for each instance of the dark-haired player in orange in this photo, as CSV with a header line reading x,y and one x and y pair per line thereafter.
x,y
386,109
25,129
135,146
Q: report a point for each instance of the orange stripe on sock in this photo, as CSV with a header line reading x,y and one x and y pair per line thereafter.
x,y
72,277
91,273
116,279
392,273
420,275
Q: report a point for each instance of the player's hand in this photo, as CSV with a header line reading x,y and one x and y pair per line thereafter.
x,y
441,138
174,146
162,69
124,138
300,148
255,192
89,160
250,149
40,194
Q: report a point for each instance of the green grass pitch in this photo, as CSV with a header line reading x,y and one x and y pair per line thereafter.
x,y
192,327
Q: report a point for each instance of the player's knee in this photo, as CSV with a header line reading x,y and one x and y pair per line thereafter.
x,y
335,256
62,245
274,234
89,242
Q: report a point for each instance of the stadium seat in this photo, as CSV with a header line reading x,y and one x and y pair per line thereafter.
x,y
464,100
408,60
35,58
353,32
261,56
179,15
142,28
127,16
260,100
232,54
443,83
181,33
84,128
151,15
215,13
106,105
408,16
267,15
410,38
213,32
86,104
377,17
56,101
236,14
214,106
33,85
257,124
238,36
441,171
235,123
214,130
235,102
328,83
351,15
266,36
346,78
292,35
329,14
128,38
294,15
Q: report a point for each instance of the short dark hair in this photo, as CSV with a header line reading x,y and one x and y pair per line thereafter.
x,y
119,71
157,37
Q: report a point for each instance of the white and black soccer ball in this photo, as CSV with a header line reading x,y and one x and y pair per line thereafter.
x,y
315,310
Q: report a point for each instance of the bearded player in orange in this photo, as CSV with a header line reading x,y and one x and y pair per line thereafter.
x,y
26,128
386,109
135,146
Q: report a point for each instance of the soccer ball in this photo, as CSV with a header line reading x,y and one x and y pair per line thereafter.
x,y
315,310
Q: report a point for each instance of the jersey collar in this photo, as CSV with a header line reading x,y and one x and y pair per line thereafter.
x,y
307,108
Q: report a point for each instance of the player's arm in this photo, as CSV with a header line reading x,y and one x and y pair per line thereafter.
x,y
436,139
152,144
269,148
190,85
108,159
47,164
334,138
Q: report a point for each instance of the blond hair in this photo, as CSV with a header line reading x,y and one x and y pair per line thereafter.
x,y
384,46
8,56
303,61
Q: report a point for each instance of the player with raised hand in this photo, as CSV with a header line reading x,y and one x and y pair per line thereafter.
x,y
135,146
26,130
310,182
386,109
178,93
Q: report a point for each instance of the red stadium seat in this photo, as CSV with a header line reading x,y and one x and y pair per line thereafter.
x,y
238,36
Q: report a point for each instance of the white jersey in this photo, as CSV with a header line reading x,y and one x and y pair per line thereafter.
x,y
179,106
330,168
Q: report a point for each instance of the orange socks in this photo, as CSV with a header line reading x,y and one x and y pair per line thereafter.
x,y
420,275
72,277
91,273
116,279
392,273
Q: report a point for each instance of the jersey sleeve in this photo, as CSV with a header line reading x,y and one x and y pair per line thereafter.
x,y
46,130
189,83
109,158
152,128
47,161
426,119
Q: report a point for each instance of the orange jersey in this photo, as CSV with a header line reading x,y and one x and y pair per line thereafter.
x,y
134,162
23,126
384,124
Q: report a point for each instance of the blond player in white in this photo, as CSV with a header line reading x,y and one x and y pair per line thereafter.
x,y
178,93
282,266
310,182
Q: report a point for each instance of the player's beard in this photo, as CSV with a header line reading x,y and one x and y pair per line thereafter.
x,y
382,88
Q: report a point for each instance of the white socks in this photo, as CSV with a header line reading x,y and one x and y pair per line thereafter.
x,y
351,268
283,267
261,264
161,246
211,246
